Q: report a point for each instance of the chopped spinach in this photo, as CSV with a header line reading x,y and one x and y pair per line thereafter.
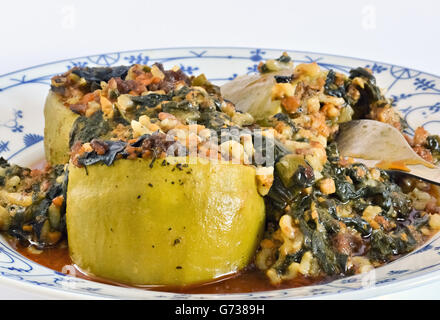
x,y
85,128
280,196
303,177
362,226
433,144
332,152
363,73
114,147
328,220
321,248
286,119
369,94
345,190
151,100
214,120
95,75
331,88
384,245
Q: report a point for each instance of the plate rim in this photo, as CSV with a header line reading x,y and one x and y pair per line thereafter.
x,y
215,47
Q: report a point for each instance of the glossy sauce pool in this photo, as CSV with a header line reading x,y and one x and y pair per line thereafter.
x,y
249,280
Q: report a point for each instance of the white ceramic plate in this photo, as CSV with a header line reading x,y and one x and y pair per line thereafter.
x,y
22,94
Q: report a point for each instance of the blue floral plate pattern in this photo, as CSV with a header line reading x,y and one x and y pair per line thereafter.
x,y
416,94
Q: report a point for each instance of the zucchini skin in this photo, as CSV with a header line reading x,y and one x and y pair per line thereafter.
x,y
164,224
58,123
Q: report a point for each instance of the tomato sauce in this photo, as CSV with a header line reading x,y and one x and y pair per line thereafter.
x,y
249,280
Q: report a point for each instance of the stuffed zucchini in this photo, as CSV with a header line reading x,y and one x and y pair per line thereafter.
x,y
125,189
92,103
141,224
59,122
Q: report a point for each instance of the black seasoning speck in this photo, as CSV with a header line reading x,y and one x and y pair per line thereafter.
x,y
169,229
179,166
164,163
176,241
150,185
172,182
139,196
179,267
283,79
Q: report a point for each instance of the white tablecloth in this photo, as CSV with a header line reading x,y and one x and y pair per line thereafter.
x,y
400,32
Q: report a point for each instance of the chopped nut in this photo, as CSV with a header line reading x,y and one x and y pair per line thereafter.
x,y
327,186
107,107
434,221
265,178
313,104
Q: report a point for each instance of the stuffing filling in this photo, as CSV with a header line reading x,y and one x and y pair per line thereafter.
x,y
32,203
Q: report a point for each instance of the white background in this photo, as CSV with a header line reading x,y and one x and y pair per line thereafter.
x,y
400,32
